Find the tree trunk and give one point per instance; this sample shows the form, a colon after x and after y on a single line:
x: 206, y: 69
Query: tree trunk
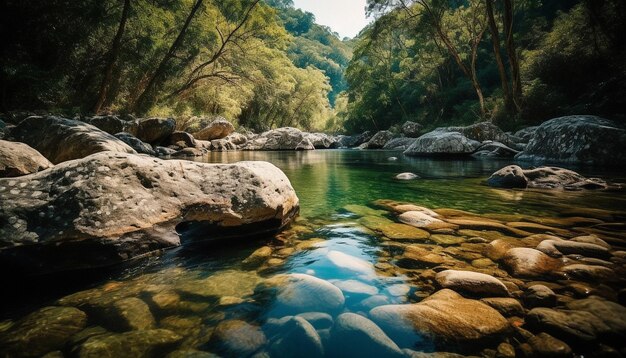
x: 142, y: 104
x: 516, y: 82
x: 495, y: 40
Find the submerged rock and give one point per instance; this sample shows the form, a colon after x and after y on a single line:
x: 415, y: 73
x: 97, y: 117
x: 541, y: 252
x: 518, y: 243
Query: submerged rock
x: 356, y: 336
x: 297, y: 338
x: 407, y: 176
x: 529, y: 263
x: 60, y: 139
x: 42, y: 331
x: 110, y: 207
x: 581, y: 139
x: 17, y: 159
x: 146, y: 343
x: 471, y: 283
x: 443, y: 318
x: 237, y: 338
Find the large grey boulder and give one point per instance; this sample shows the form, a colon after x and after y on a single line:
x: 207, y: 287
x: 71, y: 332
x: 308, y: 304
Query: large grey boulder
x: 135, y: 143
x: 355, y: 140
x: 356, y: 336
x: 399, y: 143
x: 155, y: 130
x: 60, y: 139
x: 286, y: 138
x: 411, y: 129
x: 19, y: 159
x: 217, y: 129
x: 110, y: 207
x: 579, y: 139
x: 513, y: 176
x: 322, y: 140
x: 442, y: 143
x: 109, y: 124
x: 379, y: 140
x: 483, y: 131
x: 490, y: 149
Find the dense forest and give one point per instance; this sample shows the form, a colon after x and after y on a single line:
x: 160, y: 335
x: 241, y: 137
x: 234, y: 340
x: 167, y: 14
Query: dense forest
x: 266, y: 64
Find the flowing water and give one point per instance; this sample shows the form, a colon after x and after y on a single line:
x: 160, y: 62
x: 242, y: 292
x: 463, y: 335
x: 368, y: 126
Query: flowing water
x: 190, y: 290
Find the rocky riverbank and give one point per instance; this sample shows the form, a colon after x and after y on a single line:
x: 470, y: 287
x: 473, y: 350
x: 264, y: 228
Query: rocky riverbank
x: 445, y: 280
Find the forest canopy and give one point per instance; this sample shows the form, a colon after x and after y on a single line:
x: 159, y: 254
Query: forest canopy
x: 265, y: 64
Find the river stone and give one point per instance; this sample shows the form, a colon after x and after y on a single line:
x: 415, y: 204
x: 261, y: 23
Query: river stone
x: 444, y: 318
x: 569, y: 325
x: 352, y: 287
x: 399, y: 143
x: 42, y: 331
x: 190, y: 353
x: 591, y: 273
x: 356, y: 336
x: 17, y: 159
x: 472, y: 283
x: 60, y: 139
x: 236, y: 138
x: 258, y: 257
x: 145, y: 343
x: 418, y: 219
x: 299, y: 293
x: 222, y: 145
x: 237, y: 338
x: 529, y: 263
x: 321, y: 140
x: 286, y: 138
x: 492, y: 149
x: 446, y: 240
x: 184, y: 137
x: 130, y: 314
x: 110, y: 207
x: 558, y: 248
x: 481, y: 132
x: 350, y: 263
x: 544, y: 345
x: 442, y: 143
x: 417, y: 257
x: 319, y: 320
x: 297, y: 338
x: 155, y: 130
x: 109, y: 124
x: 411, y: 129
x: 234, y: 283
x: 511, y: 176
x: 611, y: 313
x: 407, y: 176
x: 137, y: 144
x: 506, y: 306
x: 217, y: 129
x: 580, y: 139
x: 539, y: 296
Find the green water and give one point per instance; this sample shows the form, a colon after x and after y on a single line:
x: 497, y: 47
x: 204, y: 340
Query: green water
x: 329, y: 184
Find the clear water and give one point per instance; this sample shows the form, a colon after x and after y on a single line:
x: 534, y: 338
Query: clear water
x: 326, y: 182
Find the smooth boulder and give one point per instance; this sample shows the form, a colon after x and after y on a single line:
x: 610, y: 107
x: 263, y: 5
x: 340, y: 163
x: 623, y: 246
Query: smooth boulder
x: 135, y: 143
x: 60, y: 139
x: 17, y: 159
x: 379, y: 140
x: 356, y: 336
x: 442, y: 143
x: 513, y: 176
x: 155, y: 130
x: 110, y: 207
x: 286, y: 138
x: 471, y: 283
x: 216, y: 129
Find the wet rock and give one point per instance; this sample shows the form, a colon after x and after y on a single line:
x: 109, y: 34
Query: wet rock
x: 399, y: 143
x: 543, y: 178
x: 544, y: 345
x: 578, y: 326
x: 397, y: 231
x: 42, y: 331
x: 445, y: 240
x: 539, y: 296
x: 417, y: 257
x: 187, y: 139
x: 356, y: 336
x: 481, y: 132
x: 136, y: 143
x: 300, y: 293
x: 525, y: 134
x: 322, y: 140
x: 17, y: 159
x: 355, y: 140
x: 130, y: 314
x: 373, y: 301
x: 188, y: 152
x: 155, y: 130
x: 163, y: 151
x: 418, y: 219
x: 354, y: 287
x: 237, y: 338
x: 216, y: 129
x: 581, y: 139
x: 258, y: 257
x: 411, y: 129
x: 110, y: 207
x: 494, y: 150
x: 558, y: 248
x: 59, y: 139
x: 280, y: 139
x: 222, y: 145
x: 511, y: 176
x: 588, y: 272
x: 610, y: 313
x: 146, y: 343
x: 407, y: 176
x: 236, y: 138
x: 471, y: 283
x: 230, y: 282
x: 379, y: 140
x: 190, y: 353
x: 442, y: 143
x: 443, y: 318
x: 507, y: 307
x: 109, y: 124
x: 350, y: 263
x: 505, y: 350
x: 529, y: 263
x: 297, y: 338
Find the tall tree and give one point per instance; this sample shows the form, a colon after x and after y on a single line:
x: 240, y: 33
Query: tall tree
x: 516, y: 80
x: 495, y: 40
x: 111, y: 59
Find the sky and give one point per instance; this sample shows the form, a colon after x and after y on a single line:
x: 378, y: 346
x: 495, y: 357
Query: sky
x: 347, y: 17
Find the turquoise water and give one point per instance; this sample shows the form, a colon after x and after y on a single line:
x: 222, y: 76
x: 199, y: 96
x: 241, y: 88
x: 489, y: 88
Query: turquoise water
x: 336, y: 188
